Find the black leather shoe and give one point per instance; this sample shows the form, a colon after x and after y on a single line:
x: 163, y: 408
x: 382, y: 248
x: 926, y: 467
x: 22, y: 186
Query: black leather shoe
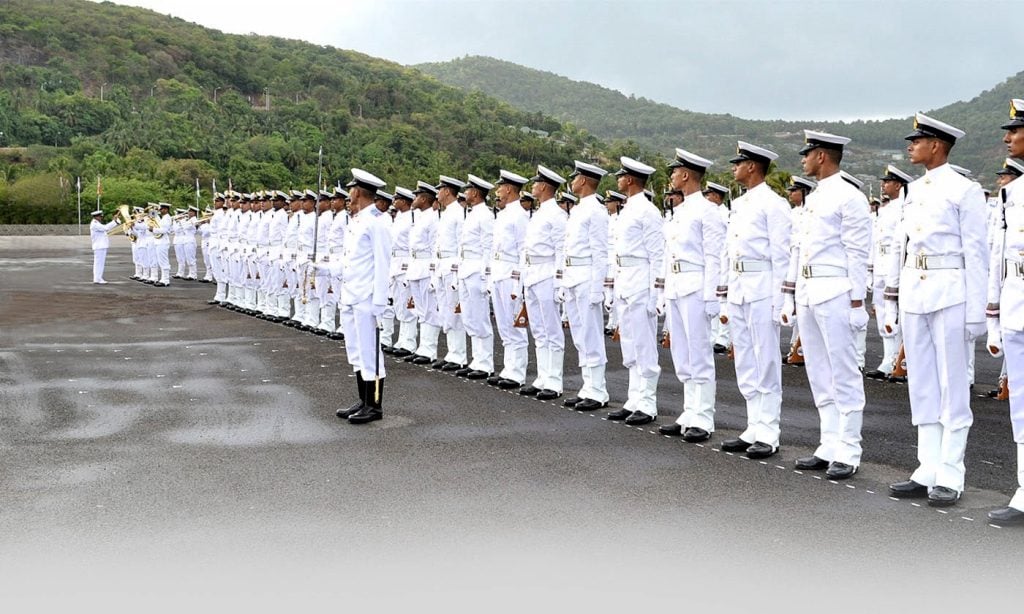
x: 348, y: 412
x: 1006, y: 516
x: 908, y: 489
x: 840, y: 471
x: 493, y: 380
x: 400, y: 352
x: 571, y: 401
x: 876, y: 374
x: 695, y: 434
x: 941, y: 496
x: 548, y: 395
x: 720, y: 349
x: 336, y: 336
x: 639, y: 418
x: 319, y: 332
x: 734, y: 445
x: 673, y: 429
x: 437, y: 364
x: 212, y: 302
x: 619, y: 414
x: 387, y: 349
x: 589, y: 405
x: 477, y: 374
x: 451, y: 366
x: 897, y: 380
x: 811, y: 463
x: 463, y: 372
x: 367, y: 414
x: 993, y: 394
x: 508, y: 384
x: 759, y: 450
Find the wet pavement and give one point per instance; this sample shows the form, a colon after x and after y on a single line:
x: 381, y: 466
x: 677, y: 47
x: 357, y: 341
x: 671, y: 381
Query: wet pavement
x: 158, y: 451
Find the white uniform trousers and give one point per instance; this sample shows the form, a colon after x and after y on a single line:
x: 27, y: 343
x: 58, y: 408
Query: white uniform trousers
x: 136, y: 259
x: 830, y: 350
x: 406, y: 318
x: 188, y: 252
x: 219, y: 274
x: 755, y: 339
x: 425, y: 308
x: 1013, y: 348
x: 207, y: 266
x: 939, y: 394
x: 447, y: 294
x: 586, y: 323
x: 548, y: 335
x: 476, y: 317
x: 179, y: 259
x: 693, y: 358
x: 890, y: 345
x: 361, y: 340
x: 99, y: 261
x: 638, y: 338
x: 515, y: 341
x: 163, y: 261
x: 150, y: 262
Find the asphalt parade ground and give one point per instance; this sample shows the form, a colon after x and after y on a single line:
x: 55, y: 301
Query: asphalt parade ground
x: 159, y: 452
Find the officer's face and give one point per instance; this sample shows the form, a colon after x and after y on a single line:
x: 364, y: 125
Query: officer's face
x: 922, y: 150
x: 1002, y: 180
x: 714, y: 197
x: 811, y: 162
x: 796, y: 197
x: 538, y: 190
x: 677, y: 178
x: 891, y: 188
x: 741, y: 171
x: 1014, y: 139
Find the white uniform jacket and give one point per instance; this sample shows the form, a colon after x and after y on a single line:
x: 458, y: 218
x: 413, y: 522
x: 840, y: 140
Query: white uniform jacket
x: 693, y: 248
x: 758, y: 236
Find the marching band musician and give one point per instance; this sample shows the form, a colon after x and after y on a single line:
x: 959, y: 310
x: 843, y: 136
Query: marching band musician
x: 504, y: 282
x: 100, y: 243
x: 145, y: 241
x: 133, y: 237
x: 693, y: 240
x: 935, y: 279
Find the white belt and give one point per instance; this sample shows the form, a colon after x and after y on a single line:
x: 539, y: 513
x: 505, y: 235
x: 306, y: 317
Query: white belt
x: 935, y: 262
x: 577, y: 260
x: 442, y: 253
x: 500, y: 257
x: 337, y: 250
x: 627, y: 261
x: 470, y: 255
x: 751, y: 266
x: 539, y: 259
x: 821, y: 270
x: 422, y: 255
x: 682, y: 266
x: 399, y: 252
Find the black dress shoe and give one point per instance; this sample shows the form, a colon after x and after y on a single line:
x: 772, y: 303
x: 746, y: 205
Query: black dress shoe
x: 571, y: 401
x: 463, y: 372
x: 290, y: 323
x: 401, y: 352
x: 734, y: 445
x: 619, y: 414
x: 639, y: 418
x: 387, y: 349
x: 319, y: 332
x: 993, y: 394
x: 811, y: 463
x: 908, y: 489
x: 720, y: 349
x: 493, y: 380
x: 589, y: 405
x: 893, y: 379
x: 367, y: 414
x: 529, y: 391
x: 759, y: 450
x: 547, y: 395
x: 675, y: 429
x: 942, y: 496
x: 1006, y: 516
x: 348, y: 412
x: 477, y: 374
x: 418, y: 360
x: 840, y: 471
x: 437, y: 364
x: 336, y: 336
x: 876, y: 374
x: 695, y: 434
x: 508, y: 384
x: 212, y: 302
x: 451, y: 366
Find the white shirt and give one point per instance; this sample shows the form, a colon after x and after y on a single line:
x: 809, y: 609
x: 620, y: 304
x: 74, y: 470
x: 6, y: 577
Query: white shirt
x: 1006, y: 287
x: 98, y: 234
x: 165, y: 223
x: 422, y: 238
x: 545, y: 240
x: 509, y: 237
x: 586, y: 237
x: 693, y: 236
x: 475, y: 241
x: 400, y: 242
x: 759, y: 231
x: 367, y: 260
x: 638, y: 235
x: 446, y: 243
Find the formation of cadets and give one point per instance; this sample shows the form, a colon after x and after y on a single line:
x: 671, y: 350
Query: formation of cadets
x: 943, y: 267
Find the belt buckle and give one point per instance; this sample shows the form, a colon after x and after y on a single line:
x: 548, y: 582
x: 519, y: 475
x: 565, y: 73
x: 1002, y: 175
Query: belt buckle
x: 737, y: 267
x: 1019, y: 268
x: 618, y: 260
x: 805, y: 271
x: 922, y: 262
x: 676, y: 268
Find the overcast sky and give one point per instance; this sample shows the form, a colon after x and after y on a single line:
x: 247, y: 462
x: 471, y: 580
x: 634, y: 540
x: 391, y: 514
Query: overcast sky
x: 759, y: 59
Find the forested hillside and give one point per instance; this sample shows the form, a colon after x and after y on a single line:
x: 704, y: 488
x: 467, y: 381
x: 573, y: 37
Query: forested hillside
x: 152, y: 102
x: 609, y: 114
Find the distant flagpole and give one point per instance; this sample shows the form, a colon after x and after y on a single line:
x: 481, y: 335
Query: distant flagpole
x: 197, y: 194
x: 78, y: 187
x: 213, y: 195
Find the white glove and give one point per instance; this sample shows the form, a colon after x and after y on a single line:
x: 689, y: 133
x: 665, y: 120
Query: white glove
x: 659, y: 305
x: 891, y: 328
x: 609, y: 299
x: 561, y: 295
x: 776, y: 313
x: 858, y: 319
x: 787, y: 317
x: 596, y: 298
x: 995, y: 337
x: 378, y: 310
x: 974, y: 330
x: 652, y: 303
x: 712, y: 309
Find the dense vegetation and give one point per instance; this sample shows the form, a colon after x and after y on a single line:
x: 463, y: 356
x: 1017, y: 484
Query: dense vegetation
x: 611, y: 115
x: 151, y: 103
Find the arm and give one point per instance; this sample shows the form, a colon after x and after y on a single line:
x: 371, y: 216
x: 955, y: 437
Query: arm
x: 599, y: 250
x: 855, y: 235
x: 972, y: 236
x: 779, y: 229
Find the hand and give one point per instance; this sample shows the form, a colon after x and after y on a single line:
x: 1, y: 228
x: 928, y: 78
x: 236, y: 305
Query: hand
x: 652, y: 303
x: 560, y: 295
x: 995, y: 337
x: 596, y: 298
x: 722, y: 317
x: 858, y: 319
x: 787, y: 317
x: 378, y: 310
x: 659, y: 305
x: 891, y: 328
x: 609, y: 299
x: 974, y: 330
x: 776, y: 313
x: 712, y: 309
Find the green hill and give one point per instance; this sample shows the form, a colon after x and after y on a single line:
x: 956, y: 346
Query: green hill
x: 152, y: 103
x: 610, y: 115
